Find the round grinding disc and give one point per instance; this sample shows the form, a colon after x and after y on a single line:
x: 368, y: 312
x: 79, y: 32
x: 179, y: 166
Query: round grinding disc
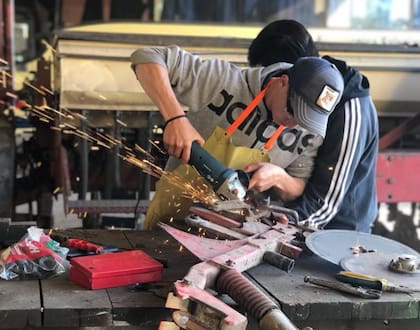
x: 376, y: 264
x: 335, y: 244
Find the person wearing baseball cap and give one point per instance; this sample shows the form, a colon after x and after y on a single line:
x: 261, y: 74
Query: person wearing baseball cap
x: 315, y: 88
x: 267, y: 120
x: 341, y: 191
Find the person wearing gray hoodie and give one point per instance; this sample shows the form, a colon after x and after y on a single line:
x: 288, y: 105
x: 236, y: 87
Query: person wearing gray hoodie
x: 300, y: 97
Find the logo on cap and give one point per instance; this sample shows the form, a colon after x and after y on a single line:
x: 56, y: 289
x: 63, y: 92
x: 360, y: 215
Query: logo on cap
x: 328, y: 98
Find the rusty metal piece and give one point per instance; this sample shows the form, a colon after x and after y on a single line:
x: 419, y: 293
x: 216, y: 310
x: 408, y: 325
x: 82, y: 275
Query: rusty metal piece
x: 229, y: 205
x: 226, y: 224
x: 215, y: 217
x: 250, y: 210
x: 280, y: 261
x: 220, y: 231
x: 277, y: 209
x: 205, y: 311
x: 405, y: 264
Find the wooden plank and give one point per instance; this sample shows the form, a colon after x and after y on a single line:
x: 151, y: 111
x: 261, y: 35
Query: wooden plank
x: 20, y: 304
x: 158, y: 244
x: 305, y: 302
x: 142, y: 318
x: 99, y: 236
x: 67, y: 304
x: 146, y: 309
x: 141, y: 308
x: 142, y: 305
x: 131, y: 305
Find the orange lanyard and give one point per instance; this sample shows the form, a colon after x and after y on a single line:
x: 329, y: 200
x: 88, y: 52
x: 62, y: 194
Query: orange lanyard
x: 244, y: 114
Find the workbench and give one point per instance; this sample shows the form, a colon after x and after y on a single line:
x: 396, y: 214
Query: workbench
x: 59, y: 303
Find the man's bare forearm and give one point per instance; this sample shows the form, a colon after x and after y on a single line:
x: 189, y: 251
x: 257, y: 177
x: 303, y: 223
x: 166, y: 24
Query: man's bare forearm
x: 155, y: 82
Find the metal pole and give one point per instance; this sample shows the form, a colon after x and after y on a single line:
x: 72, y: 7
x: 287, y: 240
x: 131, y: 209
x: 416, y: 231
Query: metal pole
x: 84, y: 161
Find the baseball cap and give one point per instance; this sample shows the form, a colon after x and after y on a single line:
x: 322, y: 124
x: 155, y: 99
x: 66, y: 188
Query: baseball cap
x: 315, y: 88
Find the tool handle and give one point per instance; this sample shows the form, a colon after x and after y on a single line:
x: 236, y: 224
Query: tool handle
x: 362, y: 280
x: 81, y: 244
x: 209, y: 167
x: 226, y: 182
x: 335, y: 285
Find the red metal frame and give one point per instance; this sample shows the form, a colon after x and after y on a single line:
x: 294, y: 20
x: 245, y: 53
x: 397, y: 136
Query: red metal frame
x: 397, y: 177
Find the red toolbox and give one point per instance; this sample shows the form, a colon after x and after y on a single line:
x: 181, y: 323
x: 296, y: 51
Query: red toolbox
x: 115, y: 269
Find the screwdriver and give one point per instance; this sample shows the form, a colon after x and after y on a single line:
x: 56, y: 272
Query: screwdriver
x: 371, y: 282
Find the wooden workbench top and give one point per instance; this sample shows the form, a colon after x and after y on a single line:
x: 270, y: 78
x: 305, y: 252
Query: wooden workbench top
x: 60, y: 303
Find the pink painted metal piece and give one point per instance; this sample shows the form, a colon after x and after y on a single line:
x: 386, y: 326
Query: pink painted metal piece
x: 222, y: 256
x: 215, y: 217
x: 251, y: 254
x: 213, y: 228
x: 203, y: 248
x: 232, y: 320
x: 239, y: 254
x: 283, y: 234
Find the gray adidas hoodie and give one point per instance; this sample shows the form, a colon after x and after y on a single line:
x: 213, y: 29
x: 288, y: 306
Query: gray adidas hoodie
x: 216, y: 91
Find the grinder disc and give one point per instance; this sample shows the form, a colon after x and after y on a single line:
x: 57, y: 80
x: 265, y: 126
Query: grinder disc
x: 336, y: 244
x: 376, y: 264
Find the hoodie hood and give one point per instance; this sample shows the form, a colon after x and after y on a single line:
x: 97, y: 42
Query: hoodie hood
x: 355, y: 83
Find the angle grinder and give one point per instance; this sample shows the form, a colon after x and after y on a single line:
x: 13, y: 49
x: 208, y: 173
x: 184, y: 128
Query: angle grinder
x: 227, y: 183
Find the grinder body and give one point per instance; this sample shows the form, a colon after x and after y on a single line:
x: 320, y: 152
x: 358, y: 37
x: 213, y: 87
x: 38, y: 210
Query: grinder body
x: 226, y: 182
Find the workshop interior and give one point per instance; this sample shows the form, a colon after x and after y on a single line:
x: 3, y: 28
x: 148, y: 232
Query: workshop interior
x: 78, y: 131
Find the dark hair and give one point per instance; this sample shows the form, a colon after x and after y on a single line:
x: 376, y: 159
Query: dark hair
x: 281, y: 41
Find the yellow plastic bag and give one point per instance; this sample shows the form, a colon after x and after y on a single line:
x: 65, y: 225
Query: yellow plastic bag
x: 173, y: 194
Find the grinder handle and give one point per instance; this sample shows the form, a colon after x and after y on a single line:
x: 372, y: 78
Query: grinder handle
x: 208, y: 166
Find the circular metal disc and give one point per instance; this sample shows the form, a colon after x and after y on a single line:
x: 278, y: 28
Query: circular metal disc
x: 335, y: 244
x: 376, y: 264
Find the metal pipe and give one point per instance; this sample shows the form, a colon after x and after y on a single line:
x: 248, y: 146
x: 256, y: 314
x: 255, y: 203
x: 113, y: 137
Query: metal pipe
x: 84, y: 161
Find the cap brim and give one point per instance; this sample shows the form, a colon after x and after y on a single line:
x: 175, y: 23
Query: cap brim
x: 308, y: 117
